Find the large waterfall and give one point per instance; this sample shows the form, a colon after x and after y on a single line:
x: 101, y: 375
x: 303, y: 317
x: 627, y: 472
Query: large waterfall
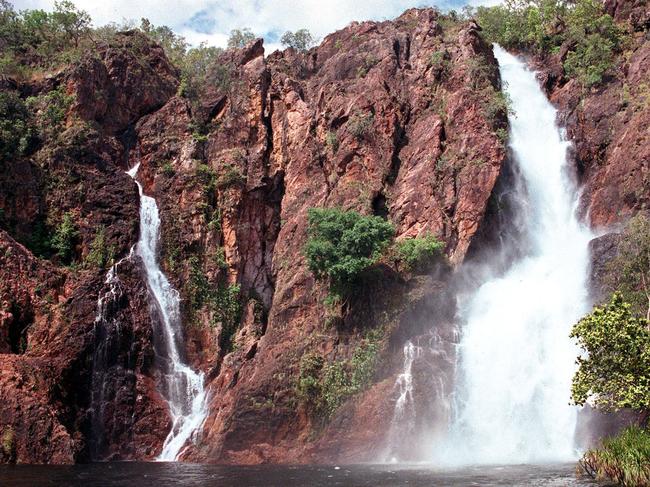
x: 182, y: 387
x: 515, y: 356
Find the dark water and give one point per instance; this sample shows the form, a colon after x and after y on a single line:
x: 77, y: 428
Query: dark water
x: 164, y: 474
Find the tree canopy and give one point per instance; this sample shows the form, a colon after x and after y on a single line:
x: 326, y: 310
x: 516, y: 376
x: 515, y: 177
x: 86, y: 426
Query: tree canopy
x: 342, y: 244
x: 614, y: 371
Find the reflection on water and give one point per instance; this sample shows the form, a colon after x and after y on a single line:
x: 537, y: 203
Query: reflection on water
x: 172, y: 474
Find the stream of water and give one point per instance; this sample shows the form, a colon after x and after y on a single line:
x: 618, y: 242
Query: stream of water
x: 182, y: 387
x: 516, y: 359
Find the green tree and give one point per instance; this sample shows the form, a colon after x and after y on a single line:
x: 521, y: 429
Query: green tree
x: 342, y: 244
x: 240, y: 37
x: 71, y: 22
x: 629, y: 271
x: 301, y: 39
x: 175, y: 46
x: 614, y: 372
x: 15, y: 127
x: 65, y: 237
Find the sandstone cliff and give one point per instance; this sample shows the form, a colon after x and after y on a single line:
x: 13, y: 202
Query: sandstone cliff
x: 399, y: 119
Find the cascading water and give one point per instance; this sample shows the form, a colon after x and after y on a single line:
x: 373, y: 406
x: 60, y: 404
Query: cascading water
x: 516, y: 359
x: 182, y: 387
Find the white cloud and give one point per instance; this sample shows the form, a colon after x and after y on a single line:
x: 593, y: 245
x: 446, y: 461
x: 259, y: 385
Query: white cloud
x: 212, y: 20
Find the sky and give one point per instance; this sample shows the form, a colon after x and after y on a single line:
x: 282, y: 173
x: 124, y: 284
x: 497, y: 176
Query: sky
x: 212, y: 20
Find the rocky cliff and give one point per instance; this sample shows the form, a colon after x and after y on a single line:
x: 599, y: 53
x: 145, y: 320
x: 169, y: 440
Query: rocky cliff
x: 400, y: 119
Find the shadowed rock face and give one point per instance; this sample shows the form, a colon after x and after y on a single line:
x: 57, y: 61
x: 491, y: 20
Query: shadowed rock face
x: 394, y: 119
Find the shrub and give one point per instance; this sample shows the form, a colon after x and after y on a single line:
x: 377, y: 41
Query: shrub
x: 15, y: 127
x: 624, y: 459
x: 300, y: 40
x: 332, y: 141
x: 100, y: 255
x: 342, y: 244
x: 614, y: 373
x: 64, y: 238
x: 51, y: 111
x: 309, y: 388
x: 225, y: 306
x: 418, y: 252
x: 168, y: 169
x: 325, y: 386
x: 360, y: 125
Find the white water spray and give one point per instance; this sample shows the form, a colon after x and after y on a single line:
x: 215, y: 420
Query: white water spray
x: 516, y: 358
x: 183, y: 387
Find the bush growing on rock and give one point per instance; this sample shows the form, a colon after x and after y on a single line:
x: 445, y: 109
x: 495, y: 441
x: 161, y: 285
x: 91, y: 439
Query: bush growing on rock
x: 342, y: 244
x: 300, y: 39
x: 15, y: 128
x: 614, y: 373
x: 419, y: 251
x: 64, y: 238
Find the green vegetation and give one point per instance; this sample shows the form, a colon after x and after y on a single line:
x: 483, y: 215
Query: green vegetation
x: 65, y: 238
x: 168, y: 169
x: 323, y: 387
x: 50, y: 111
x: 615, y: 371
x: 544, y: 25
x: 221, y: 301
x: 332, y: 141
x: 418, y: 252
x: 15, y: 127
x: 40, y: 39
x: 240, y: 37
x: 100, y: 254
x: 225, y: 308
x: 301, y: 39
x: 8, y: 441
x: 623, y: 459
x: 360, y: 125
x: 342, y: 244
x: 629, y: 271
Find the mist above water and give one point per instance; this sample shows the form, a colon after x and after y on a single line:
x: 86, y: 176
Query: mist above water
x: 516, y: 359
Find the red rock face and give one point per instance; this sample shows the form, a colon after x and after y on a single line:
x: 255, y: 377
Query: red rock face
x: 366, y: 121
x: 394, y: 118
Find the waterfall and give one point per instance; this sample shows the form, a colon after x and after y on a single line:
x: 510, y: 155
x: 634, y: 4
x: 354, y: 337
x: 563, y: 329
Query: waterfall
x: 516, y: 359
x: 182, y: 387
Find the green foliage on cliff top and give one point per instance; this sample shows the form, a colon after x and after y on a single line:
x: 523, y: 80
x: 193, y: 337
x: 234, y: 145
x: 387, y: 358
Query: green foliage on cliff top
x: 301, y: 39
x: 590, y: 35
x: 614, y: 372
x: 342, y: 244
x: 624, y: 459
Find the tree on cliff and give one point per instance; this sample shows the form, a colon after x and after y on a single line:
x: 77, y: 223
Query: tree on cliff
x: 342, y: 244
x: 300, y: 39
x: 614, y: 372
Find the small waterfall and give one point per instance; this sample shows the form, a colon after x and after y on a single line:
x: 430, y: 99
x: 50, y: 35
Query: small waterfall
x: 182, y: 387
x: 404, y: 414
x: 107, y: 368
x: 515, y: 356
